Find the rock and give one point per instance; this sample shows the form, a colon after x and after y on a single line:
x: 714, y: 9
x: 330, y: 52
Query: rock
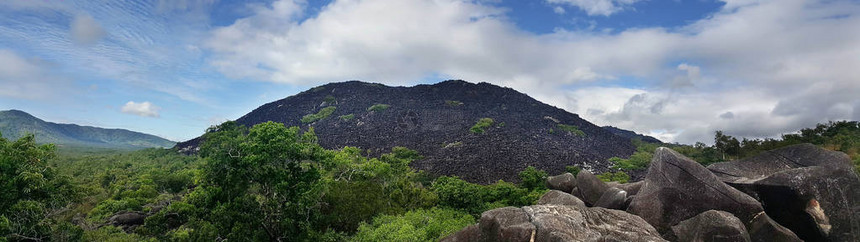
x: 786, y: 158
x: 557, y: 223
x: 631, y: 188
x: 570, y: 223
x: 817, y: 203
x: 127, y: 219
x: 613, y: 198
x: 559, y: 198
x: 678, y: 188
x: 590, y: 187
x: 810, y: 190
x: 712, y: 225
x: 468, y: 234
x: 764, y: 229
x: 505, y: 224
x: 565, y: 182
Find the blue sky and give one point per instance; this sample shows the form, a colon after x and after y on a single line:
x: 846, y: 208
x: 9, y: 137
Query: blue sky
x: 677, y: 70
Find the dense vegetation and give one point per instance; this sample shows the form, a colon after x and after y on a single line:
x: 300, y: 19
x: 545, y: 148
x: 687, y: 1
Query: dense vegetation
x: 267, y: 182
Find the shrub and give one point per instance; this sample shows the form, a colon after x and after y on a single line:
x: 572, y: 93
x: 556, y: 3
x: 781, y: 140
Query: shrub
x: 453, y: 103
x: 532, y: 178
x: 620, y: 177
x: 638, y: 160
x: 482, y: 124
x: 573, y: 170
x: 573, y: 129
x: 347, y: 117
x: 378, y: 107
x: 417, y: 225
x: 323, y: 113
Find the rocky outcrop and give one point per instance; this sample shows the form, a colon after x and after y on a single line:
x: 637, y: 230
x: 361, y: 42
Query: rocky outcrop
x: 127, y: 219
x: 678, y: 188
x: 631, y: 188
x: 812, y: 191
x: 564, y: 182
x: 557, y: 197
x: 558, y: 223
x: 612, y: 198
x: 712, y: 225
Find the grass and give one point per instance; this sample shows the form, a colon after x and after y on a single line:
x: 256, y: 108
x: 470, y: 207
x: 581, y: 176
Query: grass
x: 322, y: 114
x: 481, y: 125
x: 347, y: 117
x: 571, y: 129
x: 378, y: 107
x: 453, y: 103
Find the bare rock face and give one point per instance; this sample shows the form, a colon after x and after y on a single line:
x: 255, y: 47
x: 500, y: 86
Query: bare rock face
x: 557, y: 197
x: 678, y: 188
x: 590, y: 187
x: 762, y: 228
x: 127, y: 219
x: 631, y: 188
x: 612, y: 198
x: 558, y: 223
x: 812, y: 191
x: 565, y: 182
x: 712, y: 225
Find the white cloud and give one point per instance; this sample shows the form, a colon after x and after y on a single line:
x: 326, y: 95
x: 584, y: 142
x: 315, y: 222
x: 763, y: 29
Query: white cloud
x: 29, y: 78
x: 777, y: 66
x: 85, y: 29
x: 558, y: 10
x: 596, y: 7
x: 144, y: 109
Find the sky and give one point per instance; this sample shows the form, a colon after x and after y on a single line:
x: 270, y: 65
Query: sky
x: 674, y: 69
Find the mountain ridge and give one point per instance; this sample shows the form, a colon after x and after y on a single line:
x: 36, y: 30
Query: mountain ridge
x: 436, y: 120
x: 16, y: 123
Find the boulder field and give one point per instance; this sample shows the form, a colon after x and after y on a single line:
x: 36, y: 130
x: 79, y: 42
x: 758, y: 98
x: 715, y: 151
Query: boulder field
x: 795, y: 193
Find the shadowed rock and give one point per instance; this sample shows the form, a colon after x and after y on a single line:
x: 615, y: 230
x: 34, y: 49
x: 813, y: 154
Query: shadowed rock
x: 812, y: 191
x: 590, y: 187
x: 712, y: 225
x: 127, y: 219
x: 631, y: 188
x: 565, y: 182
x: 762, y: 228
x: 557, y: 197
x: 613, y: 198
x: 468, y: 234
x: 678, y: 188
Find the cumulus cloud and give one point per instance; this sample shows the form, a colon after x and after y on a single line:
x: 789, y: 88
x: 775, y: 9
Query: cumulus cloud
x: 778, y: 66
x: 143, y: 109
x: 85, y: 30
x: 596, y: 7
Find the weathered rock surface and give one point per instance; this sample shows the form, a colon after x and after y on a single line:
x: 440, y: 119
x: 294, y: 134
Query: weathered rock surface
x: 812, y: 191
x: 631, y: 188
x: 612, y: 198
x: 565, y: 182
x: 771, y: 162
x: 470, y: 233
x: 558, y: 223
x: 127, y: 219
x: 712, y: 225
x: 678, y: 188
x: 764, y: 229
x: 590, y: 187
x: 557, y: 197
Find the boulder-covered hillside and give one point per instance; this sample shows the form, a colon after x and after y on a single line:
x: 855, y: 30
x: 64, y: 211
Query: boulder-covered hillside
x: 443, y: 122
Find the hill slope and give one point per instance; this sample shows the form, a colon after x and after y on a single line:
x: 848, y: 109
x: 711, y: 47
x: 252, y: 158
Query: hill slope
x: 15, y: 123
x: 436, y: 121
x: 632, y: 135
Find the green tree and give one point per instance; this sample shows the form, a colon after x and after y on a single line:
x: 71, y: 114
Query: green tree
x: 417, y: 225
x: 532, y: 178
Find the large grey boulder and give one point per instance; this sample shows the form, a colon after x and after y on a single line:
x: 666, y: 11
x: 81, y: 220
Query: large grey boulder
x: 127, y: 219
x: 557, y: 197
x: 812, y: 191
x: 612, y: 198
x: 678, y: 188
x: 762, y: 228
x: 712, y: 225
x: 590, y: 187
x: 557, y: 223
x: 565, y: 182
x: 770, y: 162
x: 631, y: 188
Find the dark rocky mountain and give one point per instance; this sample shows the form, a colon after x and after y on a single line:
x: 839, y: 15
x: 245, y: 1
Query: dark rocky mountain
x: 632, y: 135
x: 436, y: 120
x: 15, y: 124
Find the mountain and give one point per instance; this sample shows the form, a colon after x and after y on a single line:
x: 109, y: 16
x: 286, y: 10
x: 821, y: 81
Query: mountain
x: 437, y: 121
x: 15, y: 124
x: 632, y: 135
